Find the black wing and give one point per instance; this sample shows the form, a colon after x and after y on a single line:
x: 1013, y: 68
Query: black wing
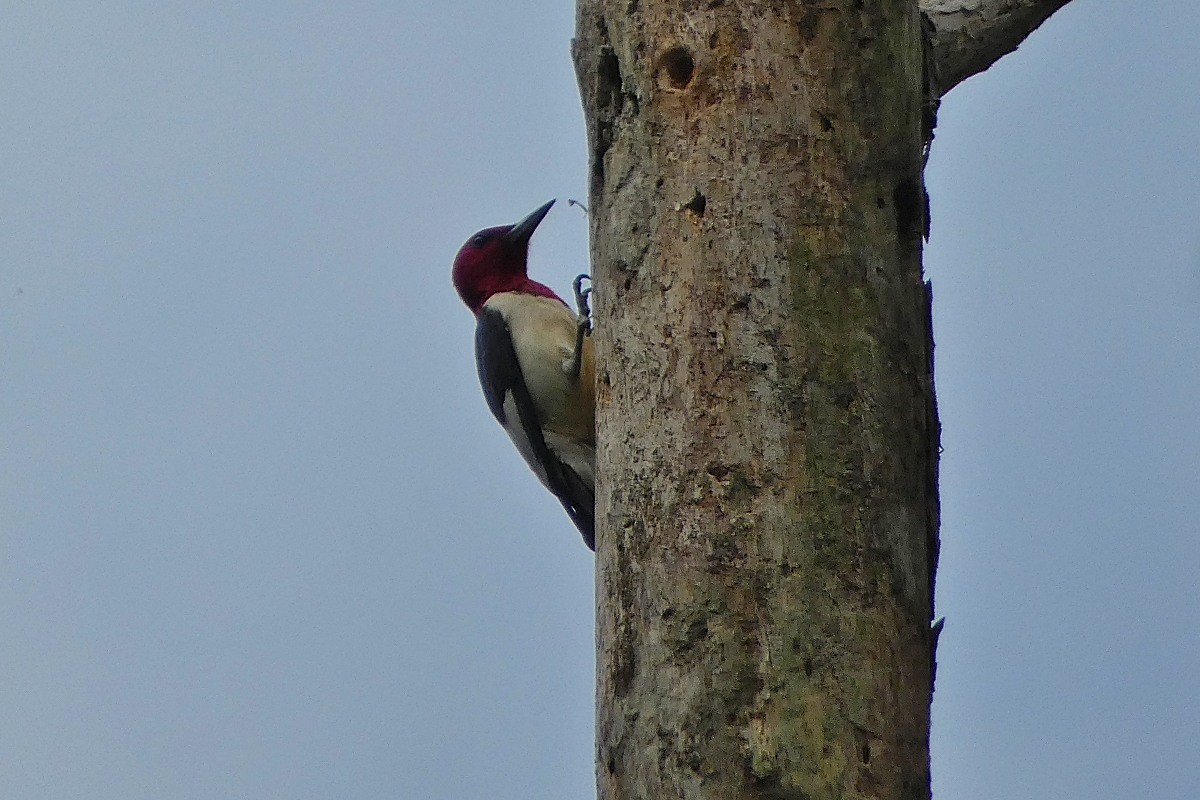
x: 501, y: 378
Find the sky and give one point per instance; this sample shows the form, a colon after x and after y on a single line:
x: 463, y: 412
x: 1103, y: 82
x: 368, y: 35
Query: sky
x: 260, y: 536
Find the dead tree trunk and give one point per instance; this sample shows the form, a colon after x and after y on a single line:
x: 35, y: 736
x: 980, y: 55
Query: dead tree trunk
x: 767, y: 504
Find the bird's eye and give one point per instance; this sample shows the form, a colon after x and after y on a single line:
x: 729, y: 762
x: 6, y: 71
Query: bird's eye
x: 479, y: 240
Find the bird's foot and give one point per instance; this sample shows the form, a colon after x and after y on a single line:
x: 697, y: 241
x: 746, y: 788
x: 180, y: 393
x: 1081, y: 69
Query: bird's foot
x: 582, y: 305
x: 583, y: 327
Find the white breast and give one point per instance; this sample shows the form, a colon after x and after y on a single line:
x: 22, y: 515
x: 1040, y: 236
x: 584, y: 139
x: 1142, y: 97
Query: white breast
x: 543, y: 334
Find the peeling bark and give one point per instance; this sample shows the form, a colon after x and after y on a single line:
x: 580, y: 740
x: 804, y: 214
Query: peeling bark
x: 971, y: 35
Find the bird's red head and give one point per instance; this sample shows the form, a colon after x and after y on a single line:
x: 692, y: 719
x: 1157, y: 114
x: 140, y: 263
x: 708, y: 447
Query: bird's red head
x: 494, y: 260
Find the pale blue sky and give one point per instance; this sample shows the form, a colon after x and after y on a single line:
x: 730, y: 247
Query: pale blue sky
x: 260, y: 537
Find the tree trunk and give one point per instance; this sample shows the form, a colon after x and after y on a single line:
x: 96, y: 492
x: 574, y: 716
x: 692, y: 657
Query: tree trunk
x: 767, y: 437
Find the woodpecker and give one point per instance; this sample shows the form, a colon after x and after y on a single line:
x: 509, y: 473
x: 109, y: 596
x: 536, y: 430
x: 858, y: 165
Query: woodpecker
x: 535, y: 363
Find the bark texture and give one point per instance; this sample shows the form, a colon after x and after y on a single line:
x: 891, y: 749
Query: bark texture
x: 969, y: 36
x: 768, y: 440
x: 767, y: 435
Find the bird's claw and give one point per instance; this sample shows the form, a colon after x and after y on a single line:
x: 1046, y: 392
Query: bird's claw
x: 582, y: 304
x: 583, y: 328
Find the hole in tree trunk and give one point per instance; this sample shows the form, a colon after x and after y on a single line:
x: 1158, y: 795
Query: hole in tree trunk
x: 675, y: 68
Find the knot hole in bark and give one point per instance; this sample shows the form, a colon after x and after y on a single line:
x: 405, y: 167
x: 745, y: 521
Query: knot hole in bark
x: 696, y: 205
x: 912, y: 210
x: 676, y: 68
x: 609, y: 99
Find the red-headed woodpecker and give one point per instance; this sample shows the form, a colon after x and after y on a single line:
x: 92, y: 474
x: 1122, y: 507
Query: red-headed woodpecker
x: 535, y: 364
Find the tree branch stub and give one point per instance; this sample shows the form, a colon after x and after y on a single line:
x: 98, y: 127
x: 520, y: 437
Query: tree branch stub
x: 971, y: 35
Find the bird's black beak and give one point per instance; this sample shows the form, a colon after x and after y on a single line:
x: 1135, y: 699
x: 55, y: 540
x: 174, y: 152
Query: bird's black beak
x: 523, y: 230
